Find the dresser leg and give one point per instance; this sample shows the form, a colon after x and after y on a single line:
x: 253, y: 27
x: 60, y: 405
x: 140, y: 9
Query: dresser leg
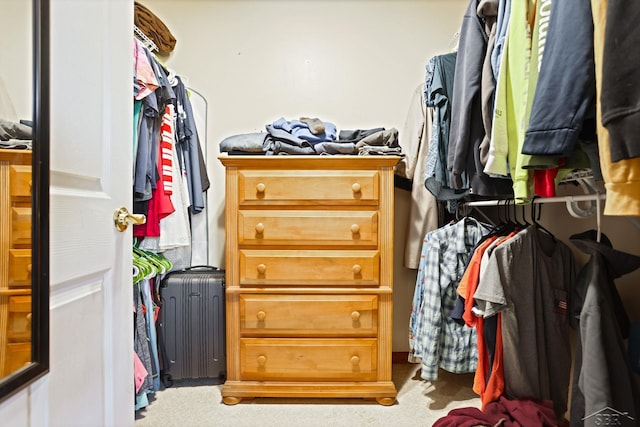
x: 230, y: 400
x: 386, y: 401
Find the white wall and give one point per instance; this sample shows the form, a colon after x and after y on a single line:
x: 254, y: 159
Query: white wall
x: 354, y: 63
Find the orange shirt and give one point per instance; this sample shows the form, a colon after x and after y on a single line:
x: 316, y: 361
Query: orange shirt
x: 492, y: 388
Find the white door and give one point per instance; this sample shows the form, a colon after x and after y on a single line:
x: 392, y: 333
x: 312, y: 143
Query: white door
x: 91, y: 376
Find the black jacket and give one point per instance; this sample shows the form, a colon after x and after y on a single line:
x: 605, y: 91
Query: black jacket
x: 603, y: 378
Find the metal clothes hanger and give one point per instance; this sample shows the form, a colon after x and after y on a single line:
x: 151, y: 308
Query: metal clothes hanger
x: 535, y: 218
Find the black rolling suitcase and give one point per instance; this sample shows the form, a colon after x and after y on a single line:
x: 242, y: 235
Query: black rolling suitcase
x: 192, y: 324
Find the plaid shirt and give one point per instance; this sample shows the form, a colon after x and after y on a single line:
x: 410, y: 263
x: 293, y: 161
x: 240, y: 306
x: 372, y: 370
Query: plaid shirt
x: 434, y: 337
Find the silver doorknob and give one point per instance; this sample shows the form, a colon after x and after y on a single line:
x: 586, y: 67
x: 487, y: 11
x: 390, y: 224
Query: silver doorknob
x: 122, y: 218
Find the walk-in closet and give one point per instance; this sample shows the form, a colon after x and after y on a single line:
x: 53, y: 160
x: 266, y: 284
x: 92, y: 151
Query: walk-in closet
x: 425, y: 212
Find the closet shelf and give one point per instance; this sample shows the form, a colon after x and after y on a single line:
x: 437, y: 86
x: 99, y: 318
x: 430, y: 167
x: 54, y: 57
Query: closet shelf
x: 578, y: 174
x: 146, y: 41
x: 558, y: 199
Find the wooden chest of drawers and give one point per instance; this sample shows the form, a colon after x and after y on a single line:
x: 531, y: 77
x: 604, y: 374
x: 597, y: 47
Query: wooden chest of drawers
x: 309, y: 264
x: 15, y: 260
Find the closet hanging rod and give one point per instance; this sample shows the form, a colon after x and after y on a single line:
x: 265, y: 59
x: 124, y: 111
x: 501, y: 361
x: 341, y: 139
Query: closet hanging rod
x: 559, y: 199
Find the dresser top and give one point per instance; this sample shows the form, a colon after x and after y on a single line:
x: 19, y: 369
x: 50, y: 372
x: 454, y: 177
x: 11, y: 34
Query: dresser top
x: 15, y: 156
x: 309, y: 162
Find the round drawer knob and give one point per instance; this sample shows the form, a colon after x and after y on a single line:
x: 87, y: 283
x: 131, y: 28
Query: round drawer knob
x: 355, y: 316
x: 261, y: 315
x: 355, y: 188
x: 355, y: 228
x: 356, y: 269
x: 28, y: 317
x: 29, y: 267
x: 355, y: 360
x: 262, y: 359
x: 261, y: 268
x: 260, y: 188
x: 259, y: 228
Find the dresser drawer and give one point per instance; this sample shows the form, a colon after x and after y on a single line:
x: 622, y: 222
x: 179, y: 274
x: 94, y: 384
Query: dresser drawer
x: 309, y: 268
x: 19, y: 328
x: 308, y: 315
x: 308, y: 227
x: 321, y: 186
x: 306, y: 359
x: 20, y: 177
x: 19, y: 266
x: 21, y: 226
x: 18, y: 355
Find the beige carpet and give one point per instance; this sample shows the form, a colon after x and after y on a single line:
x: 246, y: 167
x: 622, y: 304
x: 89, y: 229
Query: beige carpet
x: 419, y: 404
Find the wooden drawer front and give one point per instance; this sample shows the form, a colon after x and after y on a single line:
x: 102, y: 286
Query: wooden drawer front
x: 20, y: 177
x: 18, y: 355
x: 19, y: 328
x: 322, y: 186
x: 308, y: 315
x: 19, y: 266
x: 284, y: 227
x: 309, y: 268
x: 308, y: 359
x: 21, y: 226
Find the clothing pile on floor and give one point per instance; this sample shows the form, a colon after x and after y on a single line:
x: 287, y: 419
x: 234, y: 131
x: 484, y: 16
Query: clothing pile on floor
x: 504, y: 413
x: 311, y: 136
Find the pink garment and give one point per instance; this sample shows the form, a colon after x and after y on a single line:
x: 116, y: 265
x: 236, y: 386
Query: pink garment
x: 139, y: 371
x: 145, y: 77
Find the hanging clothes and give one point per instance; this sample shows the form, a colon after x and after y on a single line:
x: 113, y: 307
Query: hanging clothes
x: 528, y: 279
x: 566, y: 73
x: 488, y: 11
x: 438, y: 90
x: 140, y: 338
x: 144, y: 81
x: 622, y: 177
x: 174, y: 229
x: 188, y: 152
x: 512, y: 100
x: 620, y: 98
x: 602, y: 377
x: 489, y: 378
x: 423, y: 209
x: 467, y: 127
x: 435, y: 338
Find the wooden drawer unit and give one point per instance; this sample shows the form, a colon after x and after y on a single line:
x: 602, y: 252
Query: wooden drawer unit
x: 15, y: 259
x: 309, y: 286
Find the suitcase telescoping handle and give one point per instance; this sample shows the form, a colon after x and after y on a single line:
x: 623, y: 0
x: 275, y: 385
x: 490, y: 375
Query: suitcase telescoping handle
x: 201, y: 267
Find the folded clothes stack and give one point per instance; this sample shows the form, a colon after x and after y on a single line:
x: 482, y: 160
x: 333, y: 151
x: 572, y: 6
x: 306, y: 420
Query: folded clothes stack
x: 311, y: 136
